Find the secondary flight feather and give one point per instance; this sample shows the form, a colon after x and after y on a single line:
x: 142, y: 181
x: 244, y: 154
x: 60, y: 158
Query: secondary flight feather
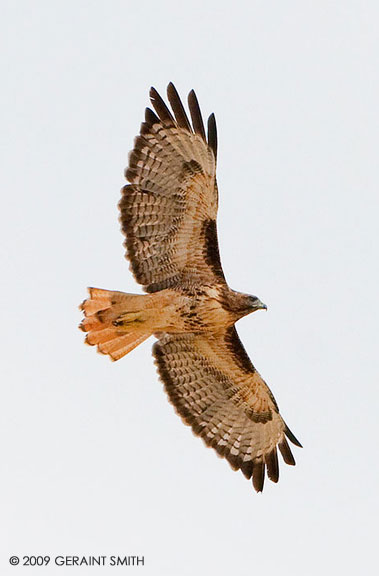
x: 168, y: 215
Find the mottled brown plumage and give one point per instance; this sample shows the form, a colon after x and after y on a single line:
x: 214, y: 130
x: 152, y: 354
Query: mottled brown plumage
x: 168, y: 215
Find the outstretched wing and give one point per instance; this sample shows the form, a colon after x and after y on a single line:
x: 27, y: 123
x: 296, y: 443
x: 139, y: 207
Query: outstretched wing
x: 168, y: 213
x: 217, y: 391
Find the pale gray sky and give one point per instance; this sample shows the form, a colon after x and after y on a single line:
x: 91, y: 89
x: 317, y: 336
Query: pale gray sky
x: 94, y: 459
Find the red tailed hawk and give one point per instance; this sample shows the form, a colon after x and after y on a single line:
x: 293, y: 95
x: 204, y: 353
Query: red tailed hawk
x: 168, y: 215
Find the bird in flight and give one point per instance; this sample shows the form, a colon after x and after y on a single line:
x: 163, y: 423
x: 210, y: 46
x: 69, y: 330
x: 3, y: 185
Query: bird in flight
x: 168, y: 215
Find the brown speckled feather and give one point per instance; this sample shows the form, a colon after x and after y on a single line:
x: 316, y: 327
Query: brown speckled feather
x: 168, y: 214
x: 217, y: 391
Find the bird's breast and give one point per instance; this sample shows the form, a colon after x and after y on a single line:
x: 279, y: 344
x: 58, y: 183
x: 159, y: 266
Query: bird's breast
x: 205, y: 312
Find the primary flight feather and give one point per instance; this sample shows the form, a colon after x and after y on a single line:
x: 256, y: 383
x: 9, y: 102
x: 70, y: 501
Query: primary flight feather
x: 168, y: 215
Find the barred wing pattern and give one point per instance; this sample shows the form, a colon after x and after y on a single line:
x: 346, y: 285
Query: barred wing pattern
x: 168, y: 213
x: 217, y: 391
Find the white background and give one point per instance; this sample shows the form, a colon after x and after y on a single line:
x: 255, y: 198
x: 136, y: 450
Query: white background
x: 94, y: 460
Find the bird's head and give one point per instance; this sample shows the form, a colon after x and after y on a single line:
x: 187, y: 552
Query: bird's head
x: 244, y: 304
x: 253, y: 304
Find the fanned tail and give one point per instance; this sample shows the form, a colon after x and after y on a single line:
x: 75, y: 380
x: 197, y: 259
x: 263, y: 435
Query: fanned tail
x: 114, y: 322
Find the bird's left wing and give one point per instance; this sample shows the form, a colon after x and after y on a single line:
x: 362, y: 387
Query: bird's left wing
x: 168, y: 212
x: 214, y: 387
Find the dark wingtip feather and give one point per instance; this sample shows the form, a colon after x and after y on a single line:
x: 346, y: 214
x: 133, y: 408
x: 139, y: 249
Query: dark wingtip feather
x: 286, y: 453
x: 272, y: 464
x: 197, y: 119
x: 178, y: 108
x: 234, y: 461
x: 247, y: 469
x: 161, y: 108
x: 291, y: 437
x: 258, y: 474
x: 150, y: 117
x: 212, y: 134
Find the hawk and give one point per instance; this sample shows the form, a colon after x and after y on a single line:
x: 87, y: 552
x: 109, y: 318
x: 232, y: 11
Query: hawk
x: 168, y: 215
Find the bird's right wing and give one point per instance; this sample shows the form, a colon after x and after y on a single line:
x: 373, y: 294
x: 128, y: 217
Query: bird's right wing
x: 168, y: 213
x: 217, y: 391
